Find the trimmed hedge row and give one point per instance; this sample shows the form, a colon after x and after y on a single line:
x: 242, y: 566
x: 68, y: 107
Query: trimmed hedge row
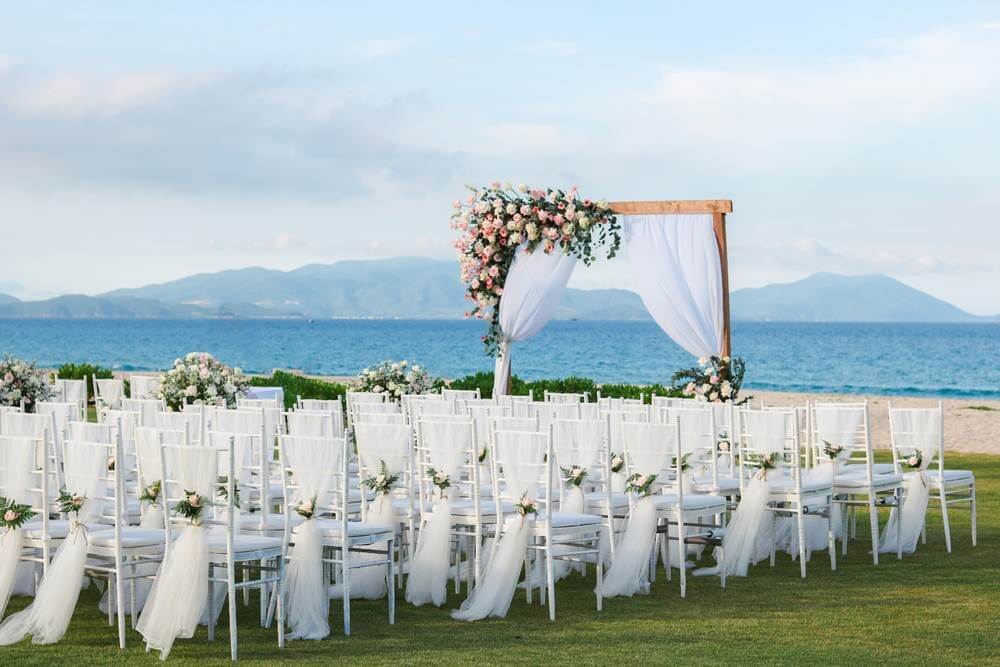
x: 296, y: 385
x: 577, y: 385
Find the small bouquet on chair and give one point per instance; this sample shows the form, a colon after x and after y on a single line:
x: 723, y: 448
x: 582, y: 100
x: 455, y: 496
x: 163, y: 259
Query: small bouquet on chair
x: 641, y: 485
x: 440, y: 479
x: 526, y: 506
x: 913, y: 461
x: 382, y: 482
x: 307, y: 508
x: 832, y: 451
x: 70, y: 503
x: 223, y: 491
x: 574, y: 475
x: 151, y: 493
x: 13, y: 515
x: 191, y: 507
x: 762, y: 462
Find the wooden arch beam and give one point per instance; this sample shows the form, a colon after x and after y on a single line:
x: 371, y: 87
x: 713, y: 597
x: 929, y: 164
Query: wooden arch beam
x: 718, y: 208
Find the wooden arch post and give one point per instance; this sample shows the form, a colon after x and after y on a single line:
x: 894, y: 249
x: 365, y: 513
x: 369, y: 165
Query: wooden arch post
x: 718, y: 208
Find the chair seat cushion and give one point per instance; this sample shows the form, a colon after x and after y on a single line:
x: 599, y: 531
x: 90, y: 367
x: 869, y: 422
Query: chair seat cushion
x: 704, y: 483
x: 859, y: 479
x: 332, y: 528
x: 465, y: 507
x: 58, y: 528
x: 132, y: 537
x: 692, y: 501
x: 353, y: 495
x: 241, y: 543
x: 598, y: 500
x: 787, y: 485
x: 271, y: 522
x: 569, y: 519
x: 950, y: 476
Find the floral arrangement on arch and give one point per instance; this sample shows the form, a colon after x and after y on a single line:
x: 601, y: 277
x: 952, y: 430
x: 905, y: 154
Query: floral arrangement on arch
x: 714, y: 379
x: 395, y: 378
x: 495, y: 221
x: 201, y: 379
x: 23, y: 381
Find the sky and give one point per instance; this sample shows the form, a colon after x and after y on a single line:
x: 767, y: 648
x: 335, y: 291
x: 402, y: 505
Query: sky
x: 142, y: 142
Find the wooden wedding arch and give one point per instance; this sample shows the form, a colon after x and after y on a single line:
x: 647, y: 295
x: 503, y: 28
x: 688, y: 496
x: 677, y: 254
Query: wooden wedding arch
x: 718, y: 208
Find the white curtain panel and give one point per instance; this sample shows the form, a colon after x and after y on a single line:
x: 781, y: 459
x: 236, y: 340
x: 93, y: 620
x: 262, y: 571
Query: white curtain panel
x: 534, y: 287
x: 675, y: 263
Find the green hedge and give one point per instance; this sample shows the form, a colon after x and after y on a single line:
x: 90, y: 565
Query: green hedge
x: 79, y: 371
x: 484, y: 382
x: 296, y: 385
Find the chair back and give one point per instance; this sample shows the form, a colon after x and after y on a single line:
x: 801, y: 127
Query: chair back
x: 918, y: 431
x: 109, y: 392
x: 144, y: 386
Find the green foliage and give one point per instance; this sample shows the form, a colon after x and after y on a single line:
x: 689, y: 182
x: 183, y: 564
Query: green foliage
x: 484, y: 382
x: 80, y: 371
x: 296, y: 385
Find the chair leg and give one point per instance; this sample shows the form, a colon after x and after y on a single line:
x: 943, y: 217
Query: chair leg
x: 600, y: 583
x: 390, y: 589
x: 899, y: 523
x: 682, y: 553
x: 774, y: 521
x: 831, y: 541
x: 973, y: 508
x: 667, y: 561
x: 211, y: 602
x: 944, y: 518
x: 800, y: 520
x: 279, y: 600
x: 844, y: 511
x: 120, y: 600
x: 550, y: 581
x: 231, y: 601
x: 346, y: 583
x: 873, y: 520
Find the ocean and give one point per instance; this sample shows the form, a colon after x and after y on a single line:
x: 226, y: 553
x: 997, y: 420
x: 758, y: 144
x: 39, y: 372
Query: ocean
x: 947, y: 360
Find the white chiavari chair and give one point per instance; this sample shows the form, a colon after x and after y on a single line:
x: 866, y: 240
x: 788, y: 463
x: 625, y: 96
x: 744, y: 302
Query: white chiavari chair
x: 565, y: 397
x: 334, y: 407
x: 188, y: 422
x: 461, y: 394
x: 73, y: 391
x: 108, y: 392
x: 144, y: 386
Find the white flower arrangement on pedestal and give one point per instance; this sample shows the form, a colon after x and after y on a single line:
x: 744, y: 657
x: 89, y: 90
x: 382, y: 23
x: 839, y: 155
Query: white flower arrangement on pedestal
x: 395, y: 378
x: 200, y: 379
x: 22, y: 381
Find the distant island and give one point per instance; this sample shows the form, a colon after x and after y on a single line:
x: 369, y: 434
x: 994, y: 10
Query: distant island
x: 419, y: 288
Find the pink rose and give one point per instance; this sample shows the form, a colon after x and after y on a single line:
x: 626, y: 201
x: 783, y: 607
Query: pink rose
x: 10, y: 515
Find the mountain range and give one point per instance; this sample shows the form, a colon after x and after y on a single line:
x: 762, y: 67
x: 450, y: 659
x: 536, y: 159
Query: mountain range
x: 417, y: 288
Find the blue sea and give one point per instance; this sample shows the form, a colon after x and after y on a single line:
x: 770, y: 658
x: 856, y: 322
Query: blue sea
x: 957, y: 360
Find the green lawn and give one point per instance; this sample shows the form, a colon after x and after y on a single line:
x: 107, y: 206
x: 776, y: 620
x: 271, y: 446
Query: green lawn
x: 931, y: 608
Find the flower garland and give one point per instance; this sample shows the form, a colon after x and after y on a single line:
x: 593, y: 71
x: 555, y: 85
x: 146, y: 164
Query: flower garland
x: 23, y: 381
x: 715, y: 379
x: 200, y: 379
x: 395, y: 378
x: 495, y: 221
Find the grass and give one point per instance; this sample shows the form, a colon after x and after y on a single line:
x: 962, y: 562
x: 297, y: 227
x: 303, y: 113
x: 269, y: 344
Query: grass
x: 982, y: 408
x: 931, y: 608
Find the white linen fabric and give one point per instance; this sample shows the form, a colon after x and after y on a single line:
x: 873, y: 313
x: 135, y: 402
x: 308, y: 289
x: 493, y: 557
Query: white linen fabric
x: 913, y: 431
x: 180, y: 593
x: 310, y: 425
x: 16, y: 459
x: 678, y: 274
x: 447, y: 444
x: 313, y: 463
x: 518, y: 455
x: 647, y: 449
x: 748, y: 535
x: 535, y: 284
x: 47, y: 618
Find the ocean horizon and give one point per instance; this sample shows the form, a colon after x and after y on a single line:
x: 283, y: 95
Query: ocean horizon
x: 904, y: 359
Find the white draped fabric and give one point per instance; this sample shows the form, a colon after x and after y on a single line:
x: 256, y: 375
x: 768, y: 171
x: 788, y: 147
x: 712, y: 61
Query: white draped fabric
x: 913, y: 431
x: 519, y: 455
x: 837, y: 425
x: 748, y: 535
x: 144, y: 386
x: 378, y: 445
x: 447, y: 445
x: 535, y: 284
x: 180, y: 593
x: 16, y: 464
x: 313, y: 463
x: 576, y: 443
x: 678, y: 274
x: 648, y: 448
x: 47, y: 618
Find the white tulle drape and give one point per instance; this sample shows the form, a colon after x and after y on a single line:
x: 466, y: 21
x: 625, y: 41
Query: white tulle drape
x: 678, y: 274
x: 378, y: 445
x: 535, y: 284
x: 16, y: 464
x: 749, y: 535
x: 518, y: 456
x: 447, y: 444
x: 180, y: 593
x: 913, y: 431
x: 648, y: 451
x: 47, y: 618
x: 313, y: 463
x: 576, y: 444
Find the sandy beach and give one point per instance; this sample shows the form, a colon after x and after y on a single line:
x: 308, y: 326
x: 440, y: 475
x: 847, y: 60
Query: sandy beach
x: 970, y: 424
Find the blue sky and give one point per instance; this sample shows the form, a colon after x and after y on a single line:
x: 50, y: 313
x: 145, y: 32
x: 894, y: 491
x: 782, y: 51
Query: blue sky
x: 141, y: 142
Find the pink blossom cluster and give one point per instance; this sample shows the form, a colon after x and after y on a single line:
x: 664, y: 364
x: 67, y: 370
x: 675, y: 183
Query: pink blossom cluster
x: 493, y: 222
